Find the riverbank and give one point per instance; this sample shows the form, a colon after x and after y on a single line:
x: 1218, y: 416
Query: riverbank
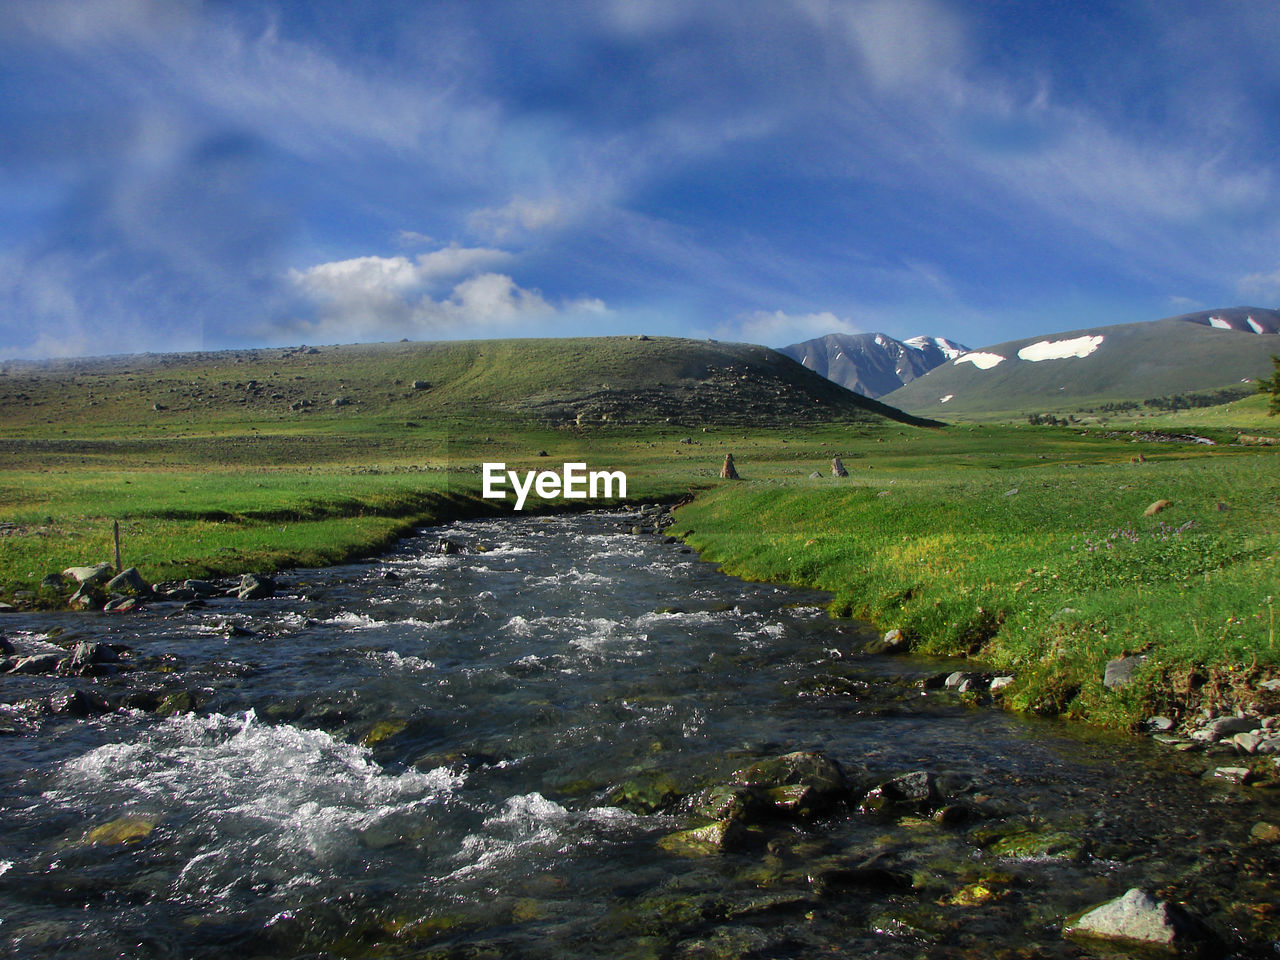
x: 1029, y: 549
x: 1048, y: 573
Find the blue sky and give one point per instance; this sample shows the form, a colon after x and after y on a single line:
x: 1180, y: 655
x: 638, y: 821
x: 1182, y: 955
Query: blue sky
x: 180, y: 175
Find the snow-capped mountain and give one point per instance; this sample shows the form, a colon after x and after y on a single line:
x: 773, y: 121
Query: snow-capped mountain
x: 873, y: 364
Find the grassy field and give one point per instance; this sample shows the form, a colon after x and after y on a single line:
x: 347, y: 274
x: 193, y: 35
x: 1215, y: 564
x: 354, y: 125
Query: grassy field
x: 1045, y: 569
x: 1025, y: 546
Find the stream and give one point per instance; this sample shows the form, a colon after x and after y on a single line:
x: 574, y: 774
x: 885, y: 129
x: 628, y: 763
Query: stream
x: 496, y: 753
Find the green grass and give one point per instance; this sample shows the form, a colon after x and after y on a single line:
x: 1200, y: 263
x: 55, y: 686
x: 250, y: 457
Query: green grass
x: 974, y: 539
x: 1047, y: 571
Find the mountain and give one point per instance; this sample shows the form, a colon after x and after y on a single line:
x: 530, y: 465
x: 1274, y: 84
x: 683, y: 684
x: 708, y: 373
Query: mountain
x: 1244, y: 319
x: 561, y: 382
x: 1084, y: 369
x: 872, y: 364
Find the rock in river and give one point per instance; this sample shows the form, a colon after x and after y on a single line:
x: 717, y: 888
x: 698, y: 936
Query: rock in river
x: 255, y: 586
x: 1139, y: 917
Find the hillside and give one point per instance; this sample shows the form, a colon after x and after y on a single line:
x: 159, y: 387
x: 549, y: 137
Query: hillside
x: 873, y: 364
x: 1244, y: 319
x: 580, y: 381
x: 1086, y: 369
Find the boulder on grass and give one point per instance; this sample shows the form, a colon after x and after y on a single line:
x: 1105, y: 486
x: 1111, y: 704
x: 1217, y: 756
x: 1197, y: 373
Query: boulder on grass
x: 97, y: 573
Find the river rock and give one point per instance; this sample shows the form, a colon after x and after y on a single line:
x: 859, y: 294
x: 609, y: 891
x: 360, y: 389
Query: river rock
x: 54, y: 581
x: 819, y: 773
x: 648, y: 792
x: 39, y: 663
x: 1120, y: 671
x: 79, y: 703
x: 447, y: 548
x: 706, y: 840
x: 1264, y: 832
x: 1224, y: 727
x: 1139, y: 917
x: 98, y: 573
x: 1247, y: 742
x: 88, y: 658
x: 122, y: 605
x: 255, y: 586
x: 894, y: 641
x: 917, y: 790
x: 131, y: 583
x: 999, y: 683
x: 729, y: 802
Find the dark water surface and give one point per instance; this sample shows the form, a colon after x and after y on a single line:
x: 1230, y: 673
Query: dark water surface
x: 426, y: 764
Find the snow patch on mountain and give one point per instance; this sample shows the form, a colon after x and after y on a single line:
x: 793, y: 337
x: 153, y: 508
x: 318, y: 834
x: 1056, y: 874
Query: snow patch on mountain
x: 1060, y: 349
x: 983, y: 361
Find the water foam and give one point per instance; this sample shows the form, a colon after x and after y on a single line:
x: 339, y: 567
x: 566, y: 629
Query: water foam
x: 259, y: 805
x: 532, y: 829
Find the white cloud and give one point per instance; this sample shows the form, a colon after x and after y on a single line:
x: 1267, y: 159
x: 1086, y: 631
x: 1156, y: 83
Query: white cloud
x: 387, y: 279
x: 521, y: 216
x: 903, y: 43
x: 389, y: 297
x: 778, y: 329
x: 1264, y: 286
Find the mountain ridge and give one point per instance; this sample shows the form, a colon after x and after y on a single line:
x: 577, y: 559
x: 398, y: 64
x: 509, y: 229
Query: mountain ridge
x: 872, y: 364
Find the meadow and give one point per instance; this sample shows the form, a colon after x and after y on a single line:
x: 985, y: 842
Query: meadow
x: 1024, y: 547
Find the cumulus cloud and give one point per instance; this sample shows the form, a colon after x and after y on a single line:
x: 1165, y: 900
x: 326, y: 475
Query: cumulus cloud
x: 387, y: 297
x: 777, y: 328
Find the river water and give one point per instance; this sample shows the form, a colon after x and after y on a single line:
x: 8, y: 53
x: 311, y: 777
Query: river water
x: 425, y: 755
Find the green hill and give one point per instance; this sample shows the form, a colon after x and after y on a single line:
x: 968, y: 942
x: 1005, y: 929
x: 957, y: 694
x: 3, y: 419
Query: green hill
x: 1087, y: 369
x: 582, y: 382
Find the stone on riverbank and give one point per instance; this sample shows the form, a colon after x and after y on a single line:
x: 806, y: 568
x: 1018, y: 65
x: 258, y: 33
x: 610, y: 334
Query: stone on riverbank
x: 130, y: 583
x: 1223, y: 728
x: 97, y: 573
x: 1138, y: 917
x: 1121, y: 670
x: 893, y: 642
